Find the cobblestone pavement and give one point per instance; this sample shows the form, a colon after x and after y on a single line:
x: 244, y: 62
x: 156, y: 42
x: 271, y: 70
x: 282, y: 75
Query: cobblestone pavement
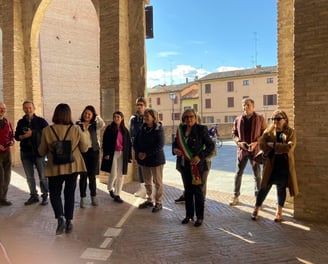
x: 122, y: 233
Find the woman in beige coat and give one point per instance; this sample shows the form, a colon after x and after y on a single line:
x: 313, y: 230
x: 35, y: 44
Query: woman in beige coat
x: 64, y: 173
x: 278, y: 144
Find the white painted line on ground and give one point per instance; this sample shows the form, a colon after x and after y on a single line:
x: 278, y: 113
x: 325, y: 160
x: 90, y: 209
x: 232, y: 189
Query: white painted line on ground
x: 106, y: 242
x: 112, y: 232
x: 96, y: 254
x: 128, y: 213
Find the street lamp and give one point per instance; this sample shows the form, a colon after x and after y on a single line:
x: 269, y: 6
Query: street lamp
x: 172, y: 97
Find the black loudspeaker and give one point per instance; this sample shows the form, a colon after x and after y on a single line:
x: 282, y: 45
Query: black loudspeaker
x: 149, y: 22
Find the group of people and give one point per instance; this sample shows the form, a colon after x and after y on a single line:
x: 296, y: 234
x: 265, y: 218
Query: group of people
x: 277, y: 144
x: 193, y: 146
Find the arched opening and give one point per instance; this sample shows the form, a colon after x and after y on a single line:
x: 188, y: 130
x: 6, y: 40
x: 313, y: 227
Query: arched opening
x: 69, y: 56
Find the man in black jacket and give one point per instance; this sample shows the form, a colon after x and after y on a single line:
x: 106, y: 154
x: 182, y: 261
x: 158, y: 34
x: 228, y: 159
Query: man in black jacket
x: 28, y: 132
x: 135, y: 124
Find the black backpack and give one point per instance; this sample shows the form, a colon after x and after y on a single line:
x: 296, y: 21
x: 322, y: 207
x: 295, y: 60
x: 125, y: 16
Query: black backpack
x: 63, y: 153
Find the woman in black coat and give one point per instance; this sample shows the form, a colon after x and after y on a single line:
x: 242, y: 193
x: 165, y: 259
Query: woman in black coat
x: 149, y: 148
x: 192, y: 145
x: 116, y: 154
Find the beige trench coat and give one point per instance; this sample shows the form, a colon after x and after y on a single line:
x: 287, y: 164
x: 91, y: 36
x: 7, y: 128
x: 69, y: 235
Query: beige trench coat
x: 79, y: 145
x: 288, y: 148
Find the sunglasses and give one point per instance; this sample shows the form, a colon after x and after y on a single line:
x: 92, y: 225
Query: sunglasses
x: 276, y: 119
x: 191, y: 116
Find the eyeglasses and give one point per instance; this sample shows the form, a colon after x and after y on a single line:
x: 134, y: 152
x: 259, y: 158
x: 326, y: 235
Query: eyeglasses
x: 191, y: 116
x: 277, y: 119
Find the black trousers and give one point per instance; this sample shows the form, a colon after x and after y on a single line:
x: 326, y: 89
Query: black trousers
x: 194, y: 196
x: 55, y: 191
x: 91, y: 160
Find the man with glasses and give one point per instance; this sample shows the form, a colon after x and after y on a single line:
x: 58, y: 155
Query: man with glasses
x: 28, y: 132
x: 246, y: 132
x: 135, y: 124
x: 6, y: 140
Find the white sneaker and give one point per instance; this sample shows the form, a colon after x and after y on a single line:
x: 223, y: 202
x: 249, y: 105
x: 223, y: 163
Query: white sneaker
x: 83, y: 202
x: 234, y: 201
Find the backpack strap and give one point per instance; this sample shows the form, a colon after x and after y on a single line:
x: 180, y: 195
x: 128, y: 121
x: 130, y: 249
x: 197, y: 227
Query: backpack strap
x: 53, y: 130
x: 67, y: 131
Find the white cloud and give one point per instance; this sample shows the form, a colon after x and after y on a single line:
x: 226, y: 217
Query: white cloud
x: 228, y: 68
x: 165, y: 54
x: 178, y: 75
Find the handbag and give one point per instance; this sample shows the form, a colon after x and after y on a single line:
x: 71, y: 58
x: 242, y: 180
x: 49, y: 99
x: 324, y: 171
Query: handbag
x: 259, y: 157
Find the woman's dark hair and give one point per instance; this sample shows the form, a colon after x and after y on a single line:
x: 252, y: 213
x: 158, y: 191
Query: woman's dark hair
x: 94, y: 113
x: 62, y: 115
x: 122, y: 125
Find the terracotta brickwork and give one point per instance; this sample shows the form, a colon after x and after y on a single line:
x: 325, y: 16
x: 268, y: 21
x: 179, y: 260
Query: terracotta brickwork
x: 113, y: 53
x: 303, y: 61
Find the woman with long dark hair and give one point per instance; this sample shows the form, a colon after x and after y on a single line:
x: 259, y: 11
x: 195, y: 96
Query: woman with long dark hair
x: 278, y: 144
x: 116, y: 155
x: 63, y: 174
x: 90, y: 124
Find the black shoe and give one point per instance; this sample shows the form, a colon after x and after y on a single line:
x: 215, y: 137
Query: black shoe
x: 181, y: 199
x: 186, y: 220
x: 44, y: 199
x: 254, y: 216
x: 198, y: 222
x: 157, y: 207
x: 5, y: 202
x: 111, y: 194
x: 69, y: 227
x: 118, y: 199
x: 146, y: 204
x: 33, y: 199
x: 60, y: 226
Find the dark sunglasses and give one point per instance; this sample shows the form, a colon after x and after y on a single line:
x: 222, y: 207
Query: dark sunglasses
x: 276, y: 119
x: 191, y: 116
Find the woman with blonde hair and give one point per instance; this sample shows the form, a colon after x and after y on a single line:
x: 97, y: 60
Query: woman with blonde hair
x: 278, y: 144
x: 192, y: 146
x: 149, y: 148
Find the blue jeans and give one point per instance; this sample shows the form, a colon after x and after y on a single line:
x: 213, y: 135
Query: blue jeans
x: 29, y: 160
x: 241, y: 165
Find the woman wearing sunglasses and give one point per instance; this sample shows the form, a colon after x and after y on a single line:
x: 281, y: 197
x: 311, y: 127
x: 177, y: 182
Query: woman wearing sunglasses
x: 278, y: 144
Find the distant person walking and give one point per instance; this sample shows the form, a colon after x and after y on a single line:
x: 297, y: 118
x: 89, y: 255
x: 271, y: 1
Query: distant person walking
x: 135, y: 124
x: 278, y: 144
x: 6, y: 141
x: 246, y: 132
x: 90, y: 124
x: 63, y: 174
x: 116, y: 155
x: 28, y: 132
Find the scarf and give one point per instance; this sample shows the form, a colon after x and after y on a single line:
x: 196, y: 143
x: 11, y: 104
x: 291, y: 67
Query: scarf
x: 183, y: 146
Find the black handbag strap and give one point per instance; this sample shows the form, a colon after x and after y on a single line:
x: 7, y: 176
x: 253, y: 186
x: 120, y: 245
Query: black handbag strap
x: 53, y: 130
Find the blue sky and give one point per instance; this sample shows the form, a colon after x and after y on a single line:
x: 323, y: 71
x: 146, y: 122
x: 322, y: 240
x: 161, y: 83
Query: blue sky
x: 195, y: 38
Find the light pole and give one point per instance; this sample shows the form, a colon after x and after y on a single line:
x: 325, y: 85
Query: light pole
x: 172, y: 97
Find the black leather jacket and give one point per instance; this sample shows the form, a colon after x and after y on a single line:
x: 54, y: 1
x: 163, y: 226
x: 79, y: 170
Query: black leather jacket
x: 200, y: 144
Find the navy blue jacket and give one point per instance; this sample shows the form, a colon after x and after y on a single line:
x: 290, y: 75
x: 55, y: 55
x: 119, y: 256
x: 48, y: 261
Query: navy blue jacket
x: 151, y: 141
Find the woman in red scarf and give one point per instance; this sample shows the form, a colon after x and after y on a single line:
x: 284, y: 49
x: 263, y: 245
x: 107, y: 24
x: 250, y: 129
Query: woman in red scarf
x: 192, y: 145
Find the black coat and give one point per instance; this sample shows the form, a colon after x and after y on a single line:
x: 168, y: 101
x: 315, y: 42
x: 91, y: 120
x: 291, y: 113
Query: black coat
x: 200, y: 144
x: 109, y: 143
x: 150, y: 141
